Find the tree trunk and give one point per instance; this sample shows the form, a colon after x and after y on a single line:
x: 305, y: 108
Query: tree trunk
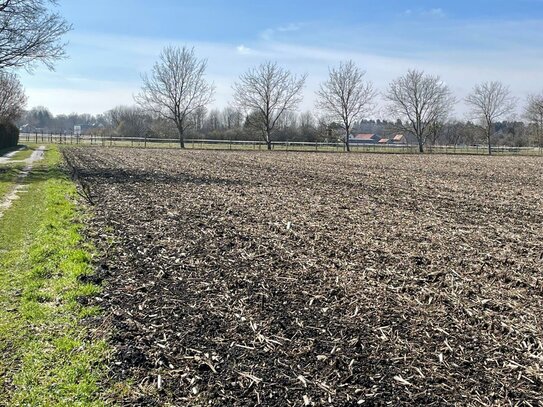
x: 421, y: 147
x: 268, y: 139
x: 181, y: 137
x: 347, y: 135
x: 489, y: 145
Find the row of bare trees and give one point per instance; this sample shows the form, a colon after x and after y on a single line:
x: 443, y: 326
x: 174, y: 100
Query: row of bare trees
x: 177, y: 89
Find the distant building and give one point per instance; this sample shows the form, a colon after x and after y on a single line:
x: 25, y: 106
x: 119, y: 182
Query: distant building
x: 365, y: 139
x: 28, y: 128
x: 85, y: 129
x: 399, y: 139
x: 384, y: 141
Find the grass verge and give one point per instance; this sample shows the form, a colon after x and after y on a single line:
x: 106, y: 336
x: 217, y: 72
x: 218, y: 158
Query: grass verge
x: 47, y: 356
x: 8, y: 150
x: 8, y: 174
x: 25, y: 153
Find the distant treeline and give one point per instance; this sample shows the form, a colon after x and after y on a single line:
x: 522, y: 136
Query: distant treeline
x: 230, y: 124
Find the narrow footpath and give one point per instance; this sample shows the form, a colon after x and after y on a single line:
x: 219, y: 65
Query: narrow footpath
x: 20, y: 186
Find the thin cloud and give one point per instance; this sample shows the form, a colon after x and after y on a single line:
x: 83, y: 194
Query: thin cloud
x: 435, y: 12
x: 113, y: 68
x: 243, y: 50
x: 269, y: 34
x: 290, y: 27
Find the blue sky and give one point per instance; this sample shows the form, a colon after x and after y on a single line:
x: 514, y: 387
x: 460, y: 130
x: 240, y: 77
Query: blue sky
x: 464, y: 42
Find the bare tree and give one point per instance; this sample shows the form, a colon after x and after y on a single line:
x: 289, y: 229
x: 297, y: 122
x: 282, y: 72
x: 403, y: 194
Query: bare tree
x: 489, y: 101
x: 534, y: 114
x: 232, y: 117
x: 308, y: 126
x: 345, y: 97
x: 456, y: 132
x: 197, y: 118
x: 30, y: 33
x: 435, y: 131
x: 130, y: 121
x: 213, y: 120
x: 266, y: 93
x: 307, y: 120
x: 419, y: 100
x: 176, y: 89
x: 288, y: 120
x: 12, y: 97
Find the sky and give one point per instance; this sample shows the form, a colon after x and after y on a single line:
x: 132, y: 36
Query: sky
x: 113, y: 42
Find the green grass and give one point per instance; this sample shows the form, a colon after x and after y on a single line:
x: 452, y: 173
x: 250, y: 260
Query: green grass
x: 24, y: 154
x: 8, y: 174
x: 8, y: 150
x: 48, y: 357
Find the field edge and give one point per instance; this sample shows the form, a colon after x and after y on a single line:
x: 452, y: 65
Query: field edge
x: 49, y: 355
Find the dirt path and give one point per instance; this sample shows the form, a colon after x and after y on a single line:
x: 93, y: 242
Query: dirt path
x: 7, y: 157
x: 20, y: 186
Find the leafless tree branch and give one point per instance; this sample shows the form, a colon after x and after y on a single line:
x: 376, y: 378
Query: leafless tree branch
x: 345, y: 97
x: 12, y: 97
x: 30, y: 34
x: 489, y: 101
x: 176, y: 88
x: 534, y: 114
x: 266, y: 93
x: 419, y: 100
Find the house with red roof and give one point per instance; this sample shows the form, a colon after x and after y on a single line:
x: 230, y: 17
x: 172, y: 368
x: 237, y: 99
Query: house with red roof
x: 399, y: 139
x: 364, y: 139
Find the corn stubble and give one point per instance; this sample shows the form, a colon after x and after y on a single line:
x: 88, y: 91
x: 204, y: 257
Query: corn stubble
x: 299, y: 279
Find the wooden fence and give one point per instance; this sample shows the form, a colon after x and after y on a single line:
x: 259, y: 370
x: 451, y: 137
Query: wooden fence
x: 113, y: 141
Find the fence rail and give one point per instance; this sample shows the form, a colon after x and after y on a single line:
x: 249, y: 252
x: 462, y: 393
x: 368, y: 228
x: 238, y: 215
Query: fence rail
x: 113, y: 141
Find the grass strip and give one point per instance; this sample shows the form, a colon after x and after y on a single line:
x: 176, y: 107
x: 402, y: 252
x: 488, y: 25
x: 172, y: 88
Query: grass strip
x: 8, y: 175
x: 24, y: 154
x: 47, y: 357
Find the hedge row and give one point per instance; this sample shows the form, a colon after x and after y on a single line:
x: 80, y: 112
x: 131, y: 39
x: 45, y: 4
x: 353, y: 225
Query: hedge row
x: 9, y: 135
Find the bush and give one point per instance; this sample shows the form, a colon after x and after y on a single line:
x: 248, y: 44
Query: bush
x: 9, y: 135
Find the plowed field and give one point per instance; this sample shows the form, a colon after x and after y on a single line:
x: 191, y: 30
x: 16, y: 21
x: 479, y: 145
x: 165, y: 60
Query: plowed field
x: 291, y: 279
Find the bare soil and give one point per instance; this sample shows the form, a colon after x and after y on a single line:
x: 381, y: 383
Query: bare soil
x: 291, y: 279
